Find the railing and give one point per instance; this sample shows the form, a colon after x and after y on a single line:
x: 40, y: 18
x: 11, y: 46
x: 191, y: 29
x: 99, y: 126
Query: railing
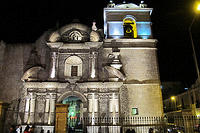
x: 170, y: 124
x: 181, y: 124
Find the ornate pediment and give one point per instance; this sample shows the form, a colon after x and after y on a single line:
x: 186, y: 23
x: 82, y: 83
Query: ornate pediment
x: 75, y: 32
x: 75, y: 35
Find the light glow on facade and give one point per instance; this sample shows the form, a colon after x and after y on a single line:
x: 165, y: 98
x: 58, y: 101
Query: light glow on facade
x: 116, y: 29
x: 144, y: 29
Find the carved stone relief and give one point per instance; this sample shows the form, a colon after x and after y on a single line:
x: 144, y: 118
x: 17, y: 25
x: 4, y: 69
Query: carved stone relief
x: 104, y: 105
x: 40, y: 106
x: 124, y: 100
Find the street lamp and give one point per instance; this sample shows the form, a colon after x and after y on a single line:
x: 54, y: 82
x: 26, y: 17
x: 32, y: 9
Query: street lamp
x: 173, y: 99
x: 197, y: 10
x: 197, y: 6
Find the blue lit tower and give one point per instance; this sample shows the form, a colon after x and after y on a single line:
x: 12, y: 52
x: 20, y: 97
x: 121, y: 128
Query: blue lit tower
x: 127, y: 28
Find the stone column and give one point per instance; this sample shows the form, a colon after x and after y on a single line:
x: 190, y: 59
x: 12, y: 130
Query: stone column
x: 53, y: 66
x: 46, y: 111
x: 93, y: 107
x: 114, y: 112
x: 93, y: 112
x: 52, y: 109
x: 93, y: 65
x: 114, y: 107
x: 27, y: 107
x: 32, y: 108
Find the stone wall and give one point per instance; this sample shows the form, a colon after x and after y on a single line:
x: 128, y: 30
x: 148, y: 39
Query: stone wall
x: 14, y: 59
x: 141, y: 89
x: 147, y: 98
x: 2, y: 51
x: 140, y: 64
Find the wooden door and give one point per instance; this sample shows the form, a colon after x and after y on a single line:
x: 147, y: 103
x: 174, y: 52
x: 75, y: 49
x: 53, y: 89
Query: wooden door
x: 61, y: 118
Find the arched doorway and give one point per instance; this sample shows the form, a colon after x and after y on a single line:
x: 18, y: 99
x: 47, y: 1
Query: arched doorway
x: 75, y: 113
x: 79, y: 102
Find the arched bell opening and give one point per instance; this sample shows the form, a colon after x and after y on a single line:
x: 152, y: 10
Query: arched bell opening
x: 130, y: 29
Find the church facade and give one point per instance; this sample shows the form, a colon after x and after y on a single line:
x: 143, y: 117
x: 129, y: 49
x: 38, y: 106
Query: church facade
x: 96, y: 73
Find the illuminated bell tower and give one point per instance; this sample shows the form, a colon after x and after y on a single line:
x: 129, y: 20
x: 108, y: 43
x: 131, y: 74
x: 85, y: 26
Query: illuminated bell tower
x: 128, y: 29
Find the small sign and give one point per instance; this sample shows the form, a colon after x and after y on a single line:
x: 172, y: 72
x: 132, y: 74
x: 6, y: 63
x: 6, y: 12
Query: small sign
x: 134, y: 111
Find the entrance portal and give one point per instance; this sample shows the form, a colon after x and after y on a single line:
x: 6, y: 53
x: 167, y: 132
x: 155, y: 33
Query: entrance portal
x: 75, y: 107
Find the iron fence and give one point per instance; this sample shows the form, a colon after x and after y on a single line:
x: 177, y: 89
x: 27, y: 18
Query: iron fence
x: 168, y: 124
x: 172, y: 124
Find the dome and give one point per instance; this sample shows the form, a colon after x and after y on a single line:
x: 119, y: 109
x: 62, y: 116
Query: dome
x: 128, y: 5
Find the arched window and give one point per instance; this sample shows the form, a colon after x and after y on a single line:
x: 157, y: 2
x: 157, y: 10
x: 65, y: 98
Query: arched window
x: 129, y: 25
x: 73, y: 66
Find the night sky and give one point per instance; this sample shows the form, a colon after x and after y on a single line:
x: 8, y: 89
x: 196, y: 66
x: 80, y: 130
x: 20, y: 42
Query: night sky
x: 25, y: 21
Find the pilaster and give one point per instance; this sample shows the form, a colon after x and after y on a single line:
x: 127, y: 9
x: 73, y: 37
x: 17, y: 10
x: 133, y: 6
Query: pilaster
x: 53, y: 66
x: 93, y: 65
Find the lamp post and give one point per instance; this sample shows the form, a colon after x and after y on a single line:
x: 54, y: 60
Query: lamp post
x: 197, y: 10
x: 173, y: 99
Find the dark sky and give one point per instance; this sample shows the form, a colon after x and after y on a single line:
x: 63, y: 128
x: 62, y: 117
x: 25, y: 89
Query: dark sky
x: 26, y: 21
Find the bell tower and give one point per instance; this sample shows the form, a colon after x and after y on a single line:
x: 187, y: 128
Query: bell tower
x: 127, y: 27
